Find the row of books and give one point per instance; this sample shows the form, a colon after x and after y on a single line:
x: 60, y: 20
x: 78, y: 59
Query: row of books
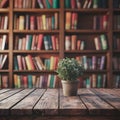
x: 73, y: 43
x: 3, y: 81
x: 36, y: 4
x: 3, y: 60
x: 36, y: 42
x: 101, y: 42
x: 93, y: 62
x: 116, y: 62
x: 29, y: 62
x: 36, y: 22
x: 3, y: 22
x: 116, y: 81
x: 116, y: 21
x: 86, y: 4
x: 3, y: 3
x: 71, y: 20
x: 36, y: 81
x: 116, y: 42
x: 3, y: 41
x: 100, y: 22
x: 94, y: 81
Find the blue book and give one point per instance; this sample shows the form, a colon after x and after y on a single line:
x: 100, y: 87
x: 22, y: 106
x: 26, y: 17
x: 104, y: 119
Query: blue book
x: 30, y: 85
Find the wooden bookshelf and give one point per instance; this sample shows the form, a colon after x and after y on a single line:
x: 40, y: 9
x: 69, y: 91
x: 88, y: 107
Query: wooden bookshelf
x: 85, y: 31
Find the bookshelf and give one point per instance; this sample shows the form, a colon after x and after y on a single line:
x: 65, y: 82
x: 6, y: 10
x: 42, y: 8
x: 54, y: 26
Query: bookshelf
x: 90, y: 24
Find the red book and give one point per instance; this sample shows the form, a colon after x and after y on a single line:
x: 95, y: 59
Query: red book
x: 19, y: 60
x: 25, y: 81
x: 32, y: 22
x: 74, y: 21
x: 53, y: 42
x: 73, y: 4
x: 4, y: 81
x: 3, y: 3
x: 74, y: 41
x: 40, y: 40
x: 78, y: 44
x: 104, y: 22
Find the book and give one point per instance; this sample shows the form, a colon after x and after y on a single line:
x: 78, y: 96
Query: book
x: 74, y: 21
x: 48, y: 4
x: 4, y: 81
x: 40, y: 4
x: 40, y: 41
x: 78, y: 4
x: 103, y: 39
x: 73, y: 4
x: 67, y: 43
x: 55, y: 4
x: 102, y: 63
x: 21, y: 22
x: 68, y: 20
x: 3, y: 59
x: 73, y: 42
x: 67, y: 4
x: 3, y: 3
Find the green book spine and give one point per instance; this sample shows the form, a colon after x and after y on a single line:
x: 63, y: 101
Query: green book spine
x: 29, y: 42
x: 30, y: 81
x: 15, y: 63
x: 55, y: 3
x: 95, y: 3
x: 87, y: 83
x: 67, y: 3
x: 19, y: 81
x: 51, y: 81
x: 99, y: 78
x: 48, y: 4
x: 103, y: 41
x: 53, y: 22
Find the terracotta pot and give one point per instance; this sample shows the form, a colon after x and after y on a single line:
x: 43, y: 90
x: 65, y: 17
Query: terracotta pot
x: 70, y: 87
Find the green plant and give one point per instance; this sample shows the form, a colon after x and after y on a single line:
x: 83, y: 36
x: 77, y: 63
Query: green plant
x: 69, y: 69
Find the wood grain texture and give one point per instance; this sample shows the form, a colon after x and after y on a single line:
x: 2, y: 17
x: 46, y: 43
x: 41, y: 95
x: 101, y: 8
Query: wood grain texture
x: 6, y: 104
x: 71, y: 105
x: 3, y: 90
x: 25, y: 106
x: 48, y: 104
x: 94, y: 104
x: 8, y: 93
x: 109, y: 97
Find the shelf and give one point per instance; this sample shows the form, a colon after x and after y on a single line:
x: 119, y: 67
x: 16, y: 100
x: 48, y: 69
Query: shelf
x: 34, y: 71
x: 4, y: 51
x: 35, y: 10
x: 35, y: 51
x: 36, y: 31
x: 4, y: 71
x: 4, y: 31
x: 4, y: 10
x: 96, y: 71
x: 87, y: 31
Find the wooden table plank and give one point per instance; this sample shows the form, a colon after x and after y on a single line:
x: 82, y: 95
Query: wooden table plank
x: 3, y: 90
x: 112, y: 99
x: 7, y: 103
x: 25, y: 106
x: 95, y: 105
x: 8, y: 93
x: 71, y: 105
x: 48, y: 104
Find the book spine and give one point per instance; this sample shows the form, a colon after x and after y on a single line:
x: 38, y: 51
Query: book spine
x: 56, y: 4
x: 67, y: 43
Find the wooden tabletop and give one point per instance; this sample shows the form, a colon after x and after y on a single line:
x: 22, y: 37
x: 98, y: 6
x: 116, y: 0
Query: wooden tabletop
x: 45, y: 102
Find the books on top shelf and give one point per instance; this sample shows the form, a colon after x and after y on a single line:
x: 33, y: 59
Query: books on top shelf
x: 36, y: 22
x: 36, y: 42
x: 85, y: 4
x: 36, y: 81
x: 42, y: 4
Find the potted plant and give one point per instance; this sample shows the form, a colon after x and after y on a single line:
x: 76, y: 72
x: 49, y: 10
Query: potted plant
x: 69, y: 70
